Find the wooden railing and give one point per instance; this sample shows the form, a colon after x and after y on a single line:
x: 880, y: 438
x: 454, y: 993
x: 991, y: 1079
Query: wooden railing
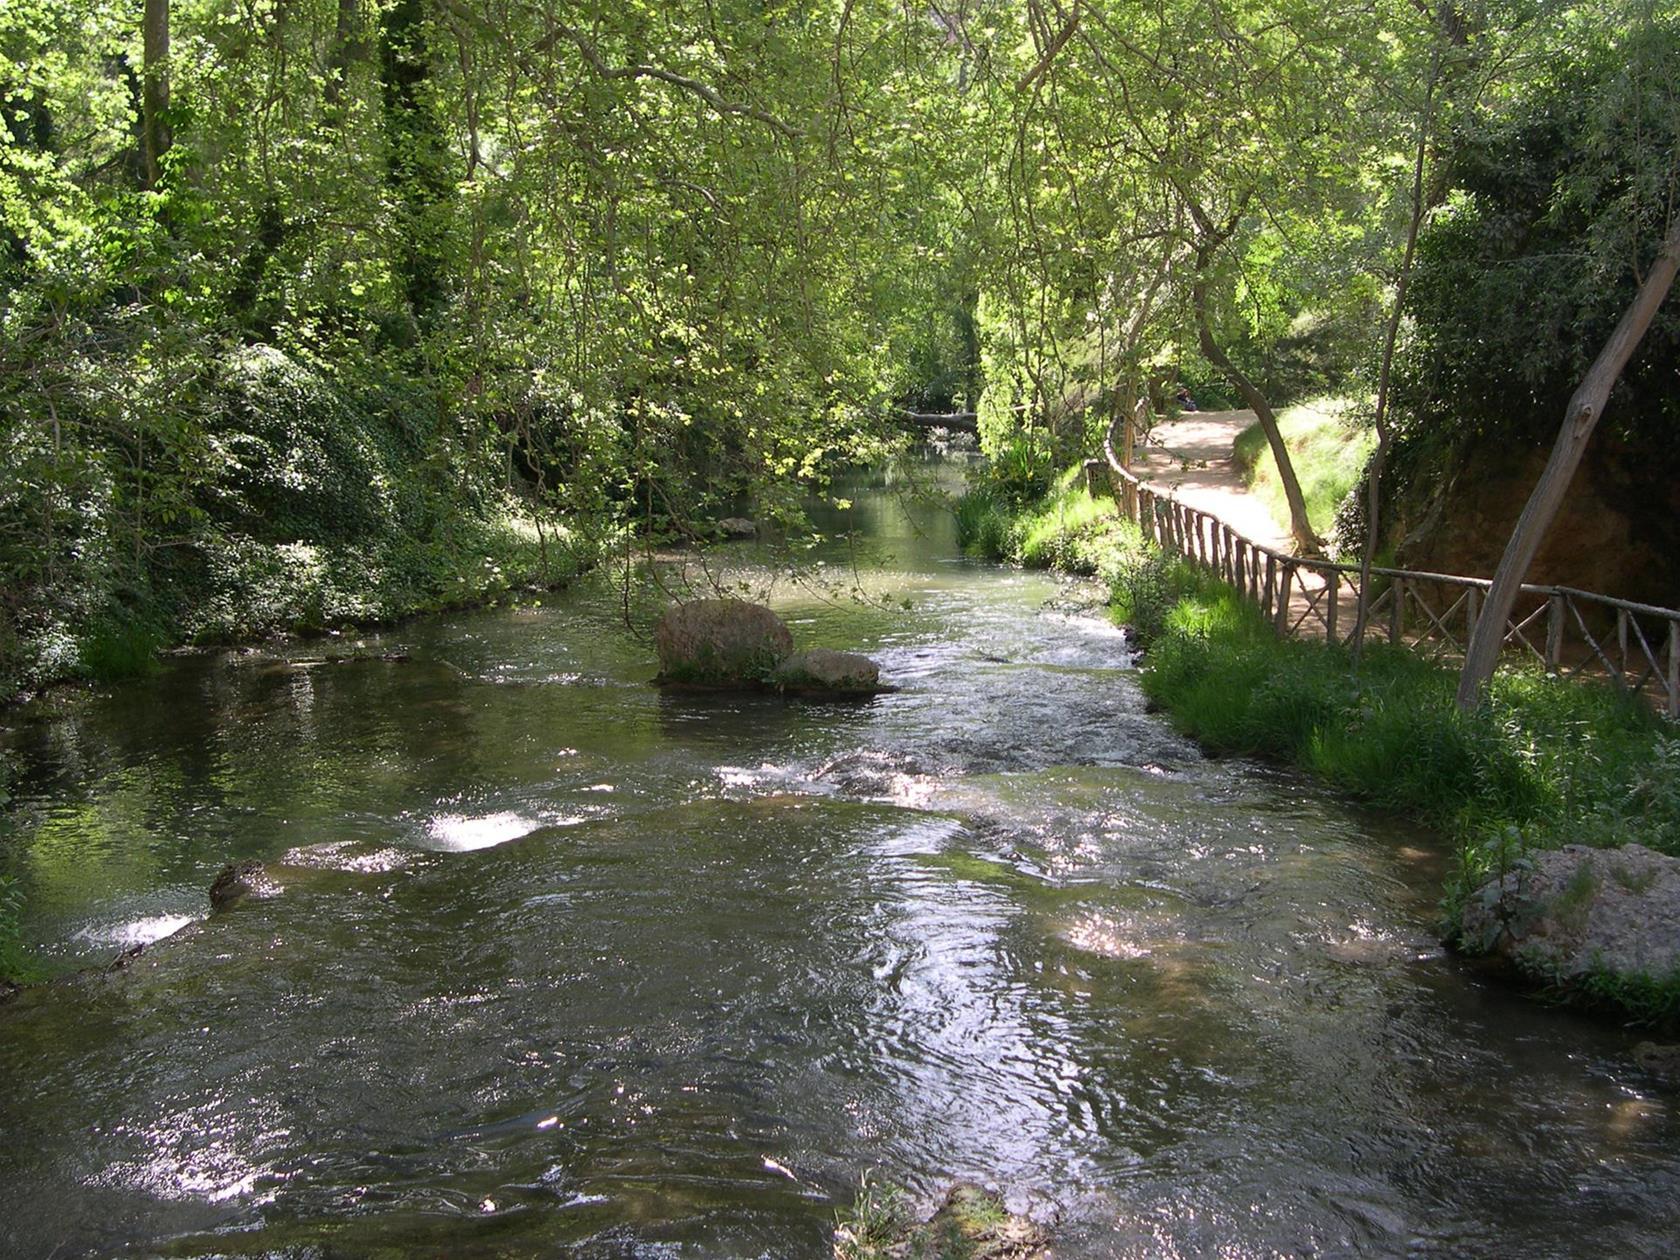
x: 1568, y: 631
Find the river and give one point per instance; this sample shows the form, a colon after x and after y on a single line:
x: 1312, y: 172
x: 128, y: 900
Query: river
x: 564, y: 966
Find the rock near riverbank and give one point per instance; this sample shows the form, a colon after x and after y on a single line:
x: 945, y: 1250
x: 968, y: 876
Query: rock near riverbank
x: 1603, y: 920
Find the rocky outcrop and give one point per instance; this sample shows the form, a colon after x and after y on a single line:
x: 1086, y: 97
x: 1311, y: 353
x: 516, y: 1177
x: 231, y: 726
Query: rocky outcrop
x: 238, y: 880
x: 829, y: 672
x: 737, y: 529
x: 720, y: 642
x: 1618, y: 533
x: 1577, y: 914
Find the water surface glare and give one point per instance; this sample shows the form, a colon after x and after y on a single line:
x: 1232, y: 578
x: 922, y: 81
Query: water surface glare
x: 564, y: 966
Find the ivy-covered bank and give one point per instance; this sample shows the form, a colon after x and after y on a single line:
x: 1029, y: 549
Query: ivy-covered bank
x: 302, y: 502
x: 1541, y: 765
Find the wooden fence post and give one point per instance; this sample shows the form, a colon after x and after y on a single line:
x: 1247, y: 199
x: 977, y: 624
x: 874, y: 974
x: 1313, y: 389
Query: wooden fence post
x: 1674, y: 669
x: 1554, y: 630
x: 1397, y: 610
x: 1098, y: 482
x: 1285, y: 589
x: 1142, y: 507
x: 1332, y: 604
x: 1472, y: 605
x: 1271, y: 584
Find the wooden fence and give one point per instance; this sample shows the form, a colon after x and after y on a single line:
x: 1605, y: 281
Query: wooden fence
x: 1569, y: 632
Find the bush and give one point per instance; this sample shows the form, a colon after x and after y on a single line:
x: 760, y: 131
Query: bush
x: 1066, y: 529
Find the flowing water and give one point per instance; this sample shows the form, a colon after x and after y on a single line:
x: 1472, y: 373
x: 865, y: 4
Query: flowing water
x: 564, y: 966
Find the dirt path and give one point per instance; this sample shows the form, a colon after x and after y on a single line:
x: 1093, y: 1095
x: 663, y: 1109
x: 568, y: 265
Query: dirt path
x: 1191, y: 456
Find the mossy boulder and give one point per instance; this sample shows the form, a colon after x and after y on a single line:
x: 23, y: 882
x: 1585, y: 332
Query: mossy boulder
x: 720, y: 643
x: 1604, y: 922
x: 827, y: 672
x: 737, y: 529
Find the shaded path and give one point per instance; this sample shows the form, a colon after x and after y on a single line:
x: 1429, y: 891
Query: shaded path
x: 1191, y: 457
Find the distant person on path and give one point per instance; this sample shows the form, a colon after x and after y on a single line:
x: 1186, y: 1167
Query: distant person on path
x: 1185, y: 402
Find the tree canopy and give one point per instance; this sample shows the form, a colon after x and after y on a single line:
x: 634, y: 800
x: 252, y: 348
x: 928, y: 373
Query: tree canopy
x: 317, y: 300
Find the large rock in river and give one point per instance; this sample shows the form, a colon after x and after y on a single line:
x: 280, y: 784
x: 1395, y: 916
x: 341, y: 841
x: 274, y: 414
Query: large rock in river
x: 1570, y: 913
x: 720, y: 642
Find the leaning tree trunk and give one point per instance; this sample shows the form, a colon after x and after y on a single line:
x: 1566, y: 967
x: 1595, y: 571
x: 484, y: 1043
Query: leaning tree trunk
x: 1299, y: 526
x: 1579, y: 420
x: 154, y: 90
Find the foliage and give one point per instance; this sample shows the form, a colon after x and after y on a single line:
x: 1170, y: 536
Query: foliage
x: 590, y: 268
x: 1067, y: 529
x: 1328, y: 449
x: 601, y: 268
x: 1556, y: 194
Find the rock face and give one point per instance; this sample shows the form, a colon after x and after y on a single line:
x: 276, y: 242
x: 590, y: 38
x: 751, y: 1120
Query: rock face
x: 829, y: 672
x: 1618, y: 533
x: 1576, y: 912
x: 720, y: 642
x: 238, y: 880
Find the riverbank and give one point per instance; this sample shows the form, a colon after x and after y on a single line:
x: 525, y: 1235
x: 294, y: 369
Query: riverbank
x: 1541, y: 765
x: 237, y: 589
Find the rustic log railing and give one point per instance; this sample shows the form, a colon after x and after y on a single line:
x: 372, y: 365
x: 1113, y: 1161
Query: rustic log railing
x: 1568, y: 631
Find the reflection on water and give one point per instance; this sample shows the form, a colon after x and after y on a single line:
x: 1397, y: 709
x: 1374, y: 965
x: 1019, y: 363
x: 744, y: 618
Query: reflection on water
x: 564, y: 966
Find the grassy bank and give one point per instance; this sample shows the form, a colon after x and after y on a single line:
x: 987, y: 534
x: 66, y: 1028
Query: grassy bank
x: 1543, y: 764
x: 1068, y: 529
x: 1327, y: 451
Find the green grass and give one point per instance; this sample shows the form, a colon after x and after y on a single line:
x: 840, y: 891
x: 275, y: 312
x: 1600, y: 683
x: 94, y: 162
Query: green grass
x: 1068, y: 529
x: 972, y: 1224
x: 1328, y: 453
x: 1543, y: 764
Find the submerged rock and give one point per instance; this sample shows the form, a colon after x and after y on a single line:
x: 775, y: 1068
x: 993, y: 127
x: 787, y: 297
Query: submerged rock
x: 720, y: 642
x: 1576, y: 914
x: 1661, y: 1061
x: 827, y: 672
x: 238, y: 880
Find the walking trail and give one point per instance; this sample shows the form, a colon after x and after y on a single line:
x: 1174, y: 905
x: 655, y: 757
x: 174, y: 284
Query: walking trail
x: 1191, y: 456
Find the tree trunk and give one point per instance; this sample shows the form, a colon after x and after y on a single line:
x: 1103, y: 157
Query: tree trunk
x: 154, y: 93
x: 1299, y: 527
x: 1579, y: 420
x: 416, y: 157
x: 346, y: 40
x: 1385, y: 435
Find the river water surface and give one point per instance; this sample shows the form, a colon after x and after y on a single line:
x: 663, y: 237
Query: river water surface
x: 564, y: 966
